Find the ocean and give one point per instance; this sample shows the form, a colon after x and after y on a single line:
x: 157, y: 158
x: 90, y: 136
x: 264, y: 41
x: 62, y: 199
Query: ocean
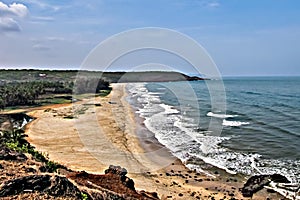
x: 260, y: 129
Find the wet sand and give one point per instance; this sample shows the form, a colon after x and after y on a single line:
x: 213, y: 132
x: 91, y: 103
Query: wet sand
x: 96, y: 132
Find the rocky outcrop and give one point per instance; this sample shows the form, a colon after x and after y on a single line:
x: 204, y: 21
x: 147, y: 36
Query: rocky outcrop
x: 56, y: 186
x: 121, y: 172
x: 257, y: 182
x: 114, y: 184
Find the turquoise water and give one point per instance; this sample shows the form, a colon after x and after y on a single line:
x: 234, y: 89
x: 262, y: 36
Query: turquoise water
x: 260, y: 129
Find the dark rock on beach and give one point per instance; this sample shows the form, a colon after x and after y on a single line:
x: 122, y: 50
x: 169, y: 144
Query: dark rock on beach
x: 257, y: 182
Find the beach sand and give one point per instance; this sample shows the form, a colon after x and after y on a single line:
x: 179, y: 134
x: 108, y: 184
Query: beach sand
x: 93, y: 133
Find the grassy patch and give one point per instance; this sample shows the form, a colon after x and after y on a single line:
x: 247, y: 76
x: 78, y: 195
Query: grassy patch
x: 15, y: 140
x: 84, y: 196
x: 54, y: 99
x: 103, y: 93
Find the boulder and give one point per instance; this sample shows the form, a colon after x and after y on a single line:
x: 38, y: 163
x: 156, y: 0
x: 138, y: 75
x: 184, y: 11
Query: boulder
x: 116, y: 170
x: 121, y: 172
x: 257, y: 182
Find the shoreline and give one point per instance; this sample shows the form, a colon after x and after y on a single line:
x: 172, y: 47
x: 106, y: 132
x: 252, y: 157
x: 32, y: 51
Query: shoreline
x: 66, y: 142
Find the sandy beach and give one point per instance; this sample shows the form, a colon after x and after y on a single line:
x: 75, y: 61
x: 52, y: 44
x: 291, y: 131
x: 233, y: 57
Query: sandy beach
x: 93, y: 133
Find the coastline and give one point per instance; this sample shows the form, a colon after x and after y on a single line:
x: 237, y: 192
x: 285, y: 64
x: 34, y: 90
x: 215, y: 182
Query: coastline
x: 62, y: 139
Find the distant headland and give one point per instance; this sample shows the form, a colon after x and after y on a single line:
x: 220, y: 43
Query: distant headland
x: 15, y: 75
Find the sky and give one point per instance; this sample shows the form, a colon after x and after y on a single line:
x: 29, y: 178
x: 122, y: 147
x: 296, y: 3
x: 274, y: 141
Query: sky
x: 243, y: 37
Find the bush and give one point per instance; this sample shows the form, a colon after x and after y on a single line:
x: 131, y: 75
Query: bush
x: 15, y: 140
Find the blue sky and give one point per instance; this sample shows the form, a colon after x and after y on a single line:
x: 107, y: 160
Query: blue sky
x: 244, y: 37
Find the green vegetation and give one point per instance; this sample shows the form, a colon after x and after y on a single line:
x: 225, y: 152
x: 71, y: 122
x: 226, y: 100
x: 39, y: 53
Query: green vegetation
x: 84, y: 196
x: 46, y: 92
x: 39, y: 87
x: 25, y: 93
x: 15, y: 140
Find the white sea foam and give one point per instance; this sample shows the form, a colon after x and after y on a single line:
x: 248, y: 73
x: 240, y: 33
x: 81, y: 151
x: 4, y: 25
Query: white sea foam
x: 217, y: 164
x: 233, y: 123
x: 169, y: 109
x: 222, y: 116
x: 177, y: 132
x: 198, y: 169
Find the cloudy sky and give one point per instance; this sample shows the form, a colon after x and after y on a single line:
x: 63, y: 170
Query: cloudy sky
x: 249, y: 37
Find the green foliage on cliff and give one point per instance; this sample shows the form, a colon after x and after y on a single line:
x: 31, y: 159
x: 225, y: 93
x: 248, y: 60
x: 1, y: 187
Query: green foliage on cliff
x: 15, y: 140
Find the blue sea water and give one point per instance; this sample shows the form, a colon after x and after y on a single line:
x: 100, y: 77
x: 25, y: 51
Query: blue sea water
x: 260, y: 129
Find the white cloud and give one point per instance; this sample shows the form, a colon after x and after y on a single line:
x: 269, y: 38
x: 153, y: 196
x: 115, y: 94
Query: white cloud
x: 198, y: 3
x: 12, y: 10
x: 9, y: 25
x: 51, y: 39
x: 9, y: 16
x: 43, y: 5
x: 40, y: 47
x: 213, y: 4
x: 42, y: 19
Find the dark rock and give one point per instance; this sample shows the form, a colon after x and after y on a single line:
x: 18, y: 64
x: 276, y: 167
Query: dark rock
x: 129, y: 183
x: 256, y: 183
x: 149, y: 194
x: 116, y: 170
x: 53, y: 185
x: 43, y: 169
x: 8, y: 154
x: 61, y: 186
x: 30, y: 170
x: 279, y: 178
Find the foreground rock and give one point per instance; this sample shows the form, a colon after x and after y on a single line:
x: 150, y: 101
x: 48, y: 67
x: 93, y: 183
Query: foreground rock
x: 256, y: 183
x: 55, y: 186
x: 114, y: 184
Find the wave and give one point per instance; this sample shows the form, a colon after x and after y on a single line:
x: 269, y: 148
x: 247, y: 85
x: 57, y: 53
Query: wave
x: 178, y: 132
x: 222, y: 116
x: 234, y: 123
